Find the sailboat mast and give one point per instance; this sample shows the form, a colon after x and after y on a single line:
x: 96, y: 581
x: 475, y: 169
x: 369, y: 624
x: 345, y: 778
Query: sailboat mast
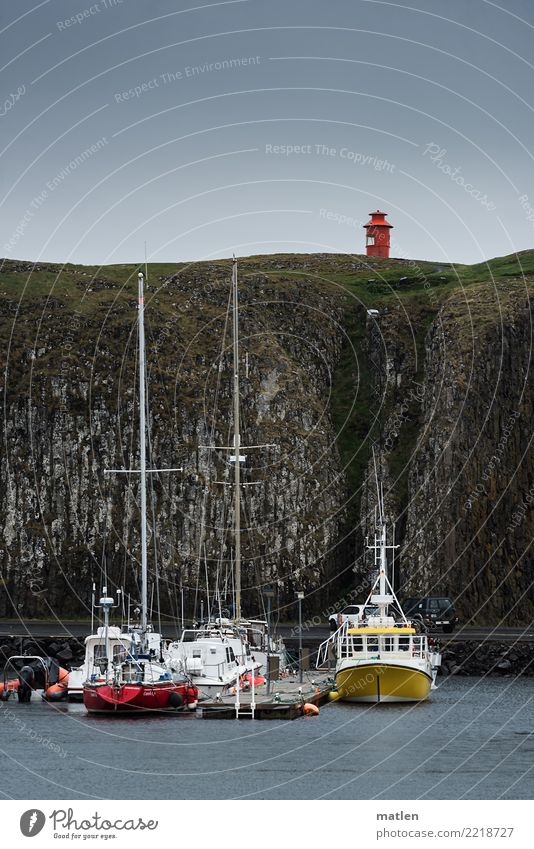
x: 381, y: 542
x: 237, y: 447
x: 142, y: 442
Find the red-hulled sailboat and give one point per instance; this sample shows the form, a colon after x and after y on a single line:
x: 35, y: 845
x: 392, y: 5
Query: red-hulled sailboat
x: 126, y: 674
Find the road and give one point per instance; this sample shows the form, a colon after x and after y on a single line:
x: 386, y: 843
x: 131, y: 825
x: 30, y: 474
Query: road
x: 310, y: 637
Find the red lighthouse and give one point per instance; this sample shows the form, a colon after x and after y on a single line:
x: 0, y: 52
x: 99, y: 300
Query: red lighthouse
x: 377, y: 238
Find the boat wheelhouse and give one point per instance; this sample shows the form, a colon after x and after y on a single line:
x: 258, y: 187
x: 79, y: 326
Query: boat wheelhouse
x: 95, y: 661
x: 213, y: 659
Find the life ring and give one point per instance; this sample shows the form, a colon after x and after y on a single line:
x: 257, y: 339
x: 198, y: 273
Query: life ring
x: 310, y: 710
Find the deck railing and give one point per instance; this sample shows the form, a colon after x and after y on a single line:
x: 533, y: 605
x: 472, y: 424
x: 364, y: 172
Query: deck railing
x: 341, y: 645
x: 328, y: 649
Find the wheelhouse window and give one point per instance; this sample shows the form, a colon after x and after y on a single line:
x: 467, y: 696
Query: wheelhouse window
x: 100, y: 652
x: 119, y: 653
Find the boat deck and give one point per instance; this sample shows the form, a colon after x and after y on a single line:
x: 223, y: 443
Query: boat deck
x: 285, y: 700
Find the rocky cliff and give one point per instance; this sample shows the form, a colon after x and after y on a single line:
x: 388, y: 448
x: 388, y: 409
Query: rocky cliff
x: 473, y: 467
x: 438, y: 379
x: 455, y: 452
x: 71, y: 414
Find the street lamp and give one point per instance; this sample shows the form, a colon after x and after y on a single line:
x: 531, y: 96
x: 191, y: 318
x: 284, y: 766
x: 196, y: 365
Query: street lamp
x: 300, y: 596
x: 269, y: 594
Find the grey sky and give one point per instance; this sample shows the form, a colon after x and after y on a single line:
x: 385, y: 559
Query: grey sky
x: 425, y: 111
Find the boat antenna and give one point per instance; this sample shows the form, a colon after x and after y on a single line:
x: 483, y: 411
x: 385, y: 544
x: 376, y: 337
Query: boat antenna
x: 379, y: 492
x: 381, y: 598
x: 237, y: 444
x: 220, y: 607
x: 93, y: 600
x: 207, y: 583
x: 232, y: 577
x: 217, y: 600
x: 142, y: 443
x: 386, y: 593
x: 106, y: 605
x: 151, y: 601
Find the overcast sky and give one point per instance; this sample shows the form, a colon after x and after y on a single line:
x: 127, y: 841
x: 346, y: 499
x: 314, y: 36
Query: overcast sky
x: 262, y: 126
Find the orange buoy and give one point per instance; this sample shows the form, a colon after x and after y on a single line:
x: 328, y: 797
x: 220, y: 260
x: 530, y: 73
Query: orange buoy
x: 59, y: 690
x: 11, y: 686
x: 310, y: 710
x: 258, y: 679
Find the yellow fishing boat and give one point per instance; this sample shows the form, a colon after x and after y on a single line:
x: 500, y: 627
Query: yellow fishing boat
x: 383, y: 664
x: 381, y: 658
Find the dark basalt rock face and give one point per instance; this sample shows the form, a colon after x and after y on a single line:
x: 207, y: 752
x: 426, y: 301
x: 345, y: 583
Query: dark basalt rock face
x: 456, y: 451
x: 71, y: 414
x: 445, y: 379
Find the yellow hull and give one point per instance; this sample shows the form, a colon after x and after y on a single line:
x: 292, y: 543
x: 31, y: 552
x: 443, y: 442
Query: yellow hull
x: 381, y: 682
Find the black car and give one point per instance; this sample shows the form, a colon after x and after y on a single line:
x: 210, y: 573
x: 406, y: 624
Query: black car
x: 434, y: 611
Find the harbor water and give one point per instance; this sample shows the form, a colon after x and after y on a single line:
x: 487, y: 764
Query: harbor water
x: 474, y: 739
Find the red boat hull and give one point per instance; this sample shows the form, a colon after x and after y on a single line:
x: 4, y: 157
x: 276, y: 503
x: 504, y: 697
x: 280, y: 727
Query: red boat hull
x: 161, y: 696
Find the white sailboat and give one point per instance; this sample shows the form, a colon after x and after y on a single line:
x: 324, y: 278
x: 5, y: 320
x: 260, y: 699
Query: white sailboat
x: 202, y: 651
x: 256, y: 632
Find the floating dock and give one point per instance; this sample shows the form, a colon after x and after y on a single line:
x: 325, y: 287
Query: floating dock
x: 285, y: 700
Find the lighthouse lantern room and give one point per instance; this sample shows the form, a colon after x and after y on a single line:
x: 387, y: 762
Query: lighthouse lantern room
x: 377, y: 238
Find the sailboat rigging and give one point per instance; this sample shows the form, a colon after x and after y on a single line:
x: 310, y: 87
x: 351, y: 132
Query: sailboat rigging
x: 247, y: 642
x: 124, y: 670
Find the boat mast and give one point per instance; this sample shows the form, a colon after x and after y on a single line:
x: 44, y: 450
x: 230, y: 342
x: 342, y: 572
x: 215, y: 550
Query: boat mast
x: 142, y: 442
x: 385, y: 594
x: 383, y: 589
x: 237, y: 446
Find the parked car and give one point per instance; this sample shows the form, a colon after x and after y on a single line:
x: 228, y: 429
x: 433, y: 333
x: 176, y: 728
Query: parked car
x: 352, y: 613
x: 433, y: 611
